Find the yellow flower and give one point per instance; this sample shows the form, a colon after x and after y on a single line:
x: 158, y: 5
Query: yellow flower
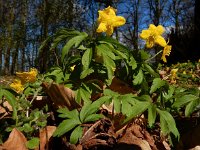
x: 166, y: 52
x: 173, y: 75
x: 27, y: 76
x: 108, y: 20
x: 184, y: 72
x: 72, y: 67
x: 17, y: 86
x: 153, y: 36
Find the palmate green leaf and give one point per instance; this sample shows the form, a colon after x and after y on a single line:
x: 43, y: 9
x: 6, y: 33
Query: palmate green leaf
x: 149, y: 69
x: 105, y: 49
x: 76, y: 134
x: 115, y: 43
x: 138, y: 78
x: 33, y: 143
x: 133, y: 63
x: 66, y: 126
x: 184, y: 100
x: 167, y: 123
x: 75, y: 41
x: 85, y: 94
x: 91, y: 108
x: 86, y: 59
x: 190, y: 108
x: 169, y: 93
x: 144, y: 55
x: 110, y: 66
x: 86, y: 72
x: 157, y: 84
x: 151, y: 114
x: 93, y: 117
x: 126, y: 108
x: 138, y: 108
x: 11, y: 100
x: 84, y: 111
x: 117, y: 104
x: 65, y: 113
x: 110, y: 93
x: 120, y: 54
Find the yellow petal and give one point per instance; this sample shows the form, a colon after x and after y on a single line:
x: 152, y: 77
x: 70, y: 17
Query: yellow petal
x: 118, y: 21
x: 110, y: 11
x: 160, y: 40
x: 152, y: 27
x: 160, y: 29
x: 145, y: 34
x: 166, y: 52
x: 109, y: 31
x: 102, y: 28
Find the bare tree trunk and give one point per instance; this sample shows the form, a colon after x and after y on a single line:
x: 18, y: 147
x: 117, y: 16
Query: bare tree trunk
x: 14, y: 60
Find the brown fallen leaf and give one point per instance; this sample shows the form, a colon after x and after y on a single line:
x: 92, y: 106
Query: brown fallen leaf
x: 99, y: 135
x: 121, y: 87
x: 45, y: 135
x: 15, y: 141
x: 61, y: 95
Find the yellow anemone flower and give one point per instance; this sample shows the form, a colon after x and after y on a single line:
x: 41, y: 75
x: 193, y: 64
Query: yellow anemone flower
x: 26, y: 77
x: 173, y: 75
x: 166, y: 52
x: 72, y: 67
x: 153, y: 36
x: 108, y: 20
x: 17, y: 86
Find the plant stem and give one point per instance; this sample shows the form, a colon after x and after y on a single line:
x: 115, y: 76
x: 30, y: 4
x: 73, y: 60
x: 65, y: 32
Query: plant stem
x: 154, y: 56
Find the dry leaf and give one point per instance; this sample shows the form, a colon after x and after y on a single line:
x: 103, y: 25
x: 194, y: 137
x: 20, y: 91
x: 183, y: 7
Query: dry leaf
x: 45, y: 135
x: 15, y: 141
x: 61, y: 95
x: 121, y: 87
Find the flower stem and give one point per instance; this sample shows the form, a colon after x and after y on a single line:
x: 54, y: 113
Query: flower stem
x: 154, y: 56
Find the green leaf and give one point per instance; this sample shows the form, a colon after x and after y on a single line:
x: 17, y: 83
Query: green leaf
x: 151, y: 114
x: 105, y: 49
x: 137, y: 109
x: 65, y: 113
x: 168, y: 123
x: 33, y: 143
x: 76, y: 135
x: 138, y: 78
x: 27, y: 128
x: 183, y: 100
x: 86, y: 72
x: 117, y: 104
x: 86, y: 59
x: 126, y: 107
x: 157, y: 83
x: 85, y: 94
x: 190, y: 108
x: 169, y: 93
x: 148, y: 68
x: 75, y: 41
x: 110, y: 93
x: 66, y: 126
x: 133, y: 63
x: 93, y: 117
x: 84, y: 111
x: 11, y: 100
x: 144, y: 55
x: 92, y: 108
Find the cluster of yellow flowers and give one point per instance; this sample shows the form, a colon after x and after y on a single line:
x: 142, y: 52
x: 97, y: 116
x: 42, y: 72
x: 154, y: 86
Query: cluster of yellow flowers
x: 153, y: 35
x: 24, y: 77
